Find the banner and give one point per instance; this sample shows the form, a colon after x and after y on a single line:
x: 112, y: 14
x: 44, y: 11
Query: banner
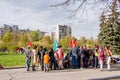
x: 73, y: 42
x: 29, y: 44
x: 55, y: 45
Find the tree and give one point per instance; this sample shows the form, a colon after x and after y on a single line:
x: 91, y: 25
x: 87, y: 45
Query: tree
x: 82, y: 41
x: 46, y: 42
x: 110, y: 29
x: 103, y: 26
x: 10, y: 41
x: 14, y: 42
x: 35, y: 36
x: 23, y: 40
x: 75, y: 6
x: 90, y: 42
x: 65, y: 42
x: 7, y: 39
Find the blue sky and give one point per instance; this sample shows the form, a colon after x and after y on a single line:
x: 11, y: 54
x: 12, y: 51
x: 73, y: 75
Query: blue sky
x: 37, y: 14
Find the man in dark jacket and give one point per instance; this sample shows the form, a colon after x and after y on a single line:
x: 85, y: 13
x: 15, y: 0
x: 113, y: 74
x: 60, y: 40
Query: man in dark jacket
x: 52, y: 58
x: 86, y: 53
x: 41, y: 53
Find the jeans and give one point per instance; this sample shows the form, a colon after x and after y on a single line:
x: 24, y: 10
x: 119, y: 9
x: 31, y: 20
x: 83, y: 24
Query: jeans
x: 95, y: 62
x: 74, y: 61
x: 52, y: 61
x: 42, y: 64
x: 27, y: 64
x: 86, y: 62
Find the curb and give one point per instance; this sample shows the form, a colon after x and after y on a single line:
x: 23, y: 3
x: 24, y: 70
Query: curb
x: 14, y: 67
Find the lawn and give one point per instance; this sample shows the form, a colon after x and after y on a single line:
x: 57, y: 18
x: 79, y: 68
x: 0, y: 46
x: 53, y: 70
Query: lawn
x: 8, y: 60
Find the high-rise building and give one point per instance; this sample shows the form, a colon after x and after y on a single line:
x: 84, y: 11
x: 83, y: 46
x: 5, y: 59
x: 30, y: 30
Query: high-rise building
x: 62, y: 31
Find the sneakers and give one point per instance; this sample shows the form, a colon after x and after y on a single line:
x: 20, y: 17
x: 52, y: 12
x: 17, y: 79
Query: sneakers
x: 33, y: 67
x: 46, y: 70
x: 108, y: 69
x: 28, y: 69
x: 101, y: 69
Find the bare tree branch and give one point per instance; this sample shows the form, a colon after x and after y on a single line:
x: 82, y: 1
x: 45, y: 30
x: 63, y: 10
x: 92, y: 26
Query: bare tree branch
x: 84, y: 5
x: 77, y: 9
x: 67, y: 2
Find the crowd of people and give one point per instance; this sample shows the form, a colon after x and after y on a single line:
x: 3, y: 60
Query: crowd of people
x: 77, y: 57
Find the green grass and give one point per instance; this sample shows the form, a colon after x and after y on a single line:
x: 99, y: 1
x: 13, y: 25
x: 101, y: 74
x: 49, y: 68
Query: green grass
x: 8, y: 60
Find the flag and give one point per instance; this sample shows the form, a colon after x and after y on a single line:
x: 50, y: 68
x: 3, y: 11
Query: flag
x: 73, y: 42
x: 29, y: 44
x: 55, y: 45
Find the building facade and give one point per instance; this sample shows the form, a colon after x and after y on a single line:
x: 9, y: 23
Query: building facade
x: 62, y: 31
x: 15, y: 29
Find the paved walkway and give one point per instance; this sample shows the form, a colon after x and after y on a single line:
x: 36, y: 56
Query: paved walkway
x: 67, y: 74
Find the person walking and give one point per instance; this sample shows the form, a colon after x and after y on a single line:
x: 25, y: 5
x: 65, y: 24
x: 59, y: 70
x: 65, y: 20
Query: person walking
x: 108, y: 54
x: 41, y: 53
x: 28, y: 57
x: 101, y: 57
x: 34, y: 57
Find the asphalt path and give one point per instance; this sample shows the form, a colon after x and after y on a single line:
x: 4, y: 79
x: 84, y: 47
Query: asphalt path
x: 66, y: 74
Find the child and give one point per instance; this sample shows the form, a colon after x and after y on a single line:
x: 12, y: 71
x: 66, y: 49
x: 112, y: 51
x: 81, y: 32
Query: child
x: 46, y: 61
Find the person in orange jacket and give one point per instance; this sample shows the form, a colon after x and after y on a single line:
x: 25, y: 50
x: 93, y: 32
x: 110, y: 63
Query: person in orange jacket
x: 46, y: 61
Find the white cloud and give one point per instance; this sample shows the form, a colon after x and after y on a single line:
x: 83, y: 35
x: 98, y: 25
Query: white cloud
x: 37, y: 14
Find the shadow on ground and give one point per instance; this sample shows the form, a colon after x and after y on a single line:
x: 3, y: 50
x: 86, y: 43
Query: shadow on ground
x: 108, y: 78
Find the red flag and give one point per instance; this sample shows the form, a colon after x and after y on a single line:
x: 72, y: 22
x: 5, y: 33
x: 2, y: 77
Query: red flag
x: 71, y: 44
x: 75, y: 42
x: 29, y: 44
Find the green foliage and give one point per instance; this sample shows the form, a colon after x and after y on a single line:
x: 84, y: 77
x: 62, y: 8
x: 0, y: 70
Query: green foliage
x: 46, y: 42
x: 82, y: 41
x: 65, y: 42
x: 23, y: 40
x: 90, y: 42
x: 7, y: 37
x: 110, y: 29
x: 47, y: 39
x: 10, y: 41
x: 35, y: 35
